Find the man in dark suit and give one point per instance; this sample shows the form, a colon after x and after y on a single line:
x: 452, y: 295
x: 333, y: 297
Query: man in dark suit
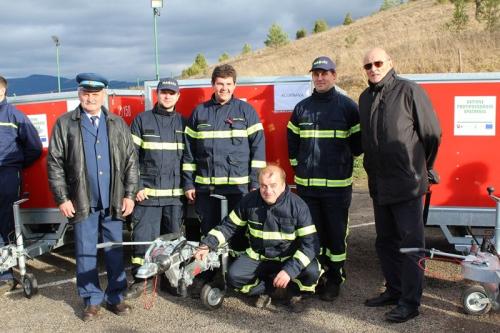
x: 92, y: 168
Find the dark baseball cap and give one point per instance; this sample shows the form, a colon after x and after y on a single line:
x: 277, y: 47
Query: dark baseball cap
x: 323, y: 63
x: 168, y: 84
x: 91, y: 81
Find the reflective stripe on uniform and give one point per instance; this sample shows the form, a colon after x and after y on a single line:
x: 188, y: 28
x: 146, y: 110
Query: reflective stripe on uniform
x: 137, y: 140
x: 162, y: 145
x: 254, y: 128
x: 8, y: 124
x: 300, y: 256
x: 258, y: 164
x: 188, y: 167
x: 324, y: 134
x: 219, y: 235
x: 151, y: 192
x: 270, y: 235
x: 311, y: 288
x: 323, y: 182
x: 222, y: 180
x: 234, y: 133
x: 256, y: 256
x: 335, y: 257
x: 137, y: 261
x: 310, y: 229
x: 293, y: 128
x: 236, y: 220
x: 293, y: 162
x: 246, y: 288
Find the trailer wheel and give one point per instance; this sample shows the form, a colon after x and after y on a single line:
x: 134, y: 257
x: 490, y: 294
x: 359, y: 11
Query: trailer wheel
x: 475, y: 301
x: 211, y: 297
x: 30, y: 285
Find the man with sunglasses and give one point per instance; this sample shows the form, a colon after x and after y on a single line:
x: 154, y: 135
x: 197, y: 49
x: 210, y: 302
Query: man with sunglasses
x: 400, y: 136
x: 323, y: 137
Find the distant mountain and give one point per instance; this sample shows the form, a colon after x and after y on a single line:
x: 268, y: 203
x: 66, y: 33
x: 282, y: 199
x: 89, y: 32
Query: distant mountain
x: 41, y: 84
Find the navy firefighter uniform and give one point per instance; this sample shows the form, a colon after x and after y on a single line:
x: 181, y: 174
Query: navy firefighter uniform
x: 282, y: 236
x: 20, y: 146
x: 225, y: 149
x: 323, y: 136
x: 158, y: 135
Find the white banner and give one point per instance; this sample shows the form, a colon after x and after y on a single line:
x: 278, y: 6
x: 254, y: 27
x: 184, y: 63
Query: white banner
x: 475, y: 116
x: 40, y: 123
x: 287, y: 95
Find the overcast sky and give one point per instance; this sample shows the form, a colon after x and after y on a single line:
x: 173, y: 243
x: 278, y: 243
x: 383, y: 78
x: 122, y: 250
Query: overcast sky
x: 115, y: 37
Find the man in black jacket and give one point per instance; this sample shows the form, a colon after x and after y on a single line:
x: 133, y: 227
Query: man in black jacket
x: 400, y: 136
x: 323, y: 138
x: 92, y: 169
x: 282, y: 237
x: 159, y: 140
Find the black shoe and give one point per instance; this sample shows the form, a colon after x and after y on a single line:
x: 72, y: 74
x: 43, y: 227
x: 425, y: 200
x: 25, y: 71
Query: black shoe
x: 296, y: 304
x: 401, y: 313
x: 329, y: 292
x: 137, y: 288
x: 263, y: 301
x: 383, y: 299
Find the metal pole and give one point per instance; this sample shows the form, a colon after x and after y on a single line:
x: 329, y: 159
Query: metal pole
x: 155, y: 14
x: 58, y: 69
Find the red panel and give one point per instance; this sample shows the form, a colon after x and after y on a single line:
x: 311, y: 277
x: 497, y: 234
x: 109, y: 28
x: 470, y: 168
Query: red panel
x: 126, y: 107
x: 35, y: 177
x: 466, y: 164
x: 261, y: 97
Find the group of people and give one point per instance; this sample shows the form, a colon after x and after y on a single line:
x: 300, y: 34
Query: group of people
x: 100, y: 172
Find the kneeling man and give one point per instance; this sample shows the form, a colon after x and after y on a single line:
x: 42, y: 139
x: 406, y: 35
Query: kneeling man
x: 283, y: 242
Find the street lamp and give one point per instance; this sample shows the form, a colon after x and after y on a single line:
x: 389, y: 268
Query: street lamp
x: 58, y: 43
x: 156, y: 5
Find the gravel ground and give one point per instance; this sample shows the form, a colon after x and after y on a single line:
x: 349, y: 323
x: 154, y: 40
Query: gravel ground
x: 57, y: 308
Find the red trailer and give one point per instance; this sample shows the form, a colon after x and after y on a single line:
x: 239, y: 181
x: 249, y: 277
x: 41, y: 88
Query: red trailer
x: 41, y: 220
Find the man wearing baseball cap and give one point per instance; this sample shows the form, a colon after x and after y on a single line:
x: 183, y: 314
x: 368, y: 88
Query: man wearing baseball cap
x: 158, y: 137
x: 92, y: 171
x: 323, y: 138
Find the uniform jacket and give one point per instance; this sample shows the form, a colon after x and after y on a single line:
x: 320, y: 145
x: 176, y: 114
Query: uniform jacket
x: 159, y: 139
x: 225, y: 147
x: 323, y: 136
x: 20, y: 144
x: 283, y: 231
x: 68, y: 177
x: 400, y: 136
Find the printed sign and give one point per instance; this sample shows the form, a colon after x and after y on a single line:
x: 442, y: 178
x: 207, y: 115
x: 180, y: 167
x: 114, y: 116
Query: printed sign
x: 40, y: 123
x: 287, y: 95
x: 475, y: 116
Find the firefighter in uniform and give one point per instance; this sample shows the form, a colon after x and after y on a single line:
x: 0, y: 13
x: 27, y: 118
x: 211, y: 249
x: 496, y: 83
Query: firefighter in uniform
x: 323, y: 137
x: 20, y: 146
x: 158, y: 135
x: 283, y: 242
x: 225, y: 148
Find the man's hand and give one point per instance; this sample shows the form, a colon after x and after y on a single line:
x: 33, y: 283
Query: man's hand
x: 190, y: 195
x: 67, y: 209
x: 127, y: 206
x: 281, y: 280
x: 141, y: 196
x: 201, y: 252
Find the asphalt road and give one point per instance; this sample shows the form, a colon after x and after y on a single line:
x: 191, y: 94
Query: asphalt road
x: 57, y: 307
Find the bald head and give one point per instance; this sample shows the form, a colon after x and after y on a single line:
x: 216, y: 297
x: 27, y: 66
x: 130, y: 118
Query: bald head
x: 377, y: 63
x: 272, y: 183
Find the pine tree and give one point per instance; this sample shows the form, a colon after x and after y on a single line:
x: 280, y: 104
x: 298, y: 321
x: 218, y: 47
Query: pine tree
x: 320, y: 26
x: 389, y: 4
x: 224, y: 57
x: 348, y: 19
x: 276, y: 37
x: 247, y: 48
x: 301, y: 33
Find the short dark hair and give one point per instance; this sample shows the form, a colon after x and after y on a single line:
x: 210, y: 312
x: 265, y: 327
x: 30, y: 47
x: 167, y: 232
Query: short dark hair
x: 3, y: 82
x: 224, y: 71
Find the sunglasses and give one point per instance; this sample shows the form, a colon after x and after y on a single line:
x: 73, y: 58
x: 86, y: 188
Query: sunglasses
x: 377, y: 64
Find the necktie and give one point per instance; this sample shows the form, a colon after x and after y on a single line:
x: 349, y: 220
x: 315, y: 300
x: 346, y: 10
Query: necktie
x: 95, y: 121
